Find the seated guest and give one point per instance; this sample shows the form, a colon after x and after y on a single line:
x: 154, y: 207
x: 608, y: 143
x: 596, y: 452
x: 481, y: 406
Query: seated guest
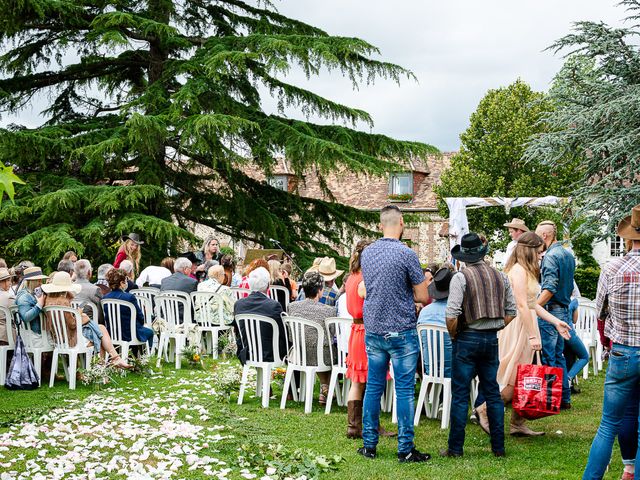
x: 277, y: 279
x: 59, y: 293
x: 127, y: 266
x: 195, y: 263
x: 434, y: 314
x: 231, y: 278
x: 71, y: 255
x: 181, y: 279
x: 117, y: 279
x: 327, y: 268
x: 221, y: 304
x: 258, y: 303
x: 258, y: 262
x: 18, y: 274
x: 30, y: 301
x: 90, y: 293
x: 7, y: 299
x: 286, y: 273
x: 153, y: 275
x: 101, y: 282
x: 311, y: 309
x: 66, y: 266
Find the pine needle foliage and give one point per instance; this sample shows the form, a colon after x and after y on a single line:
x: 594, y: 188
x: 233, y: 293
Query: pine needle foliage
x: 597, y: 119
x: 155, y: 120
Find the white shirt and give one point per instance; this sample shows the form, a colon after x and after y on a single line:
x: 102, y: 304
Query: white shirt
x: 342, y: 306
x: 152, y: 275
x: 510, y: 248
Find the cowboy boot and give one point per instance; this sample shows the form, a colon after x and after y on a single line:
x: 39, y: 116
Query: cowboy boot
x: 354, y: 418
x: 384, y: 433
x: 518, y: 428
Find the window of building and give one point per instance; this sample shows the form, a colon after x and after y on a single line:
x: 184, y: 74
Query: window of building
x: 401, y: 184
x: 617, y: 246
x: 281, y: 182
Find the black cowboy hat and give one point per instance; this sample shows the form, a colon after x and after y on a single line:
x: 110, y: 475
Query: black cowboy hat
x: 439, y: 288
x: 134, y: 237
x: 191, y: 256
x: 470, y: 250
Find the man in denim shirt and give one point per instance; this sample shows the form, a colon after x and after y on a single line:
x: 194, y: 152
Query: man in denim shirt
x: 393, y: 280
x: 557, y: 270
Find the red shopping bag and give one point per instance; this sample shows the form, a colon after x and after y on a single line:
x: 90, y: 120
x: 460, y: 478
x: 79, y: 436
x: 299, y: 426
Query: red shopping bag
x: 538, y: 391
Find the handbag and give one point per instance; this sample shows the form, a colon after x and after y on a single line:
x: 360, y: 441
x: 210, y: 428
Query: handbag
x: 22, y: 375
x: 538, y: 390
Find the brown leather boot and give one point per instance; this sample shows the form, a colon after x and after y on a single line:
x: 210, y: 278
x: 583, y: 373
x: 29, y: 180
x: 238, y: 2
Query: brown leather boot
x: 354, y: 418
x: 384, y: 433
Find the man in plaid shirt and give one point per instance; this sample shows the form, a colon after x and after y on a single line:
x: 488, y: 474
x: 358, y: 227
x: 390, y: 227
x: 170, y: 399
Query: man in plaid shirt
x: 618, y: 301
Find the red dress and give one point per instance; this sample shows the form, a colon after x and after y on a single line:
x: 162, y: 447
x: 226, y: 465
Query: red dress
x: 357, y: 357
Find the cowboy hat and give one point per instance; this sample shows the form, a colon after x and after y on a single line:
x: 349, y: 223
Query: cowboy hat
x: 61, y: 282
x: 439, y: 288
x: 315, y: 266
x: 327, y: 268
x: 5, y: 273
x: 629, y: 227
x: 470, y: 250
x: 517, y: 224
x: 134, y: 237
x: 33, y: 273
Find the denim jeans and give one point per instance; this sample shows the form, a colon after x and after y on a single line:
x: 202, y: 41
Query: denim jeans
x: 553, y: 346
x: 402, y: 349
x: 620, y: 387
x: 475, y: 352
x: 580, y: 352
x: 628, y: 436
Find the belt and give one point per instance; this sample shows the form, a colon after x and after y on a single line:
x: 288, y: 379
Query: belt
x: 358, y: 321
x: 555, y: 304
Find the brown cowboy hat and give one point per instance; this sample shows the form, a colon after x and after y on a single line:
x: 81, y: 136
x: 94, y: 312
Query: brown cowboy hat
x: 517, y: 224
x: 5, y: 273
x: 629, y: 227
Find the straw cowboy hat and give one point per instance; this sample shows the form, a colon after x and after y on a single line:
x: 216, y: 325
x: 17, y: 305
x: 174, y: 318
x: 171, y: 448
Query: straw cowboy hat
x: 470, y: 250
x: 61, y: 282
x: 629, y: 227
x: 439, y: 288
x: 5, y: 273
x: 315, y: 266
x: 33, y: 273
x: 517, y: 224
x: 134, y: 237
x: 327, y: 268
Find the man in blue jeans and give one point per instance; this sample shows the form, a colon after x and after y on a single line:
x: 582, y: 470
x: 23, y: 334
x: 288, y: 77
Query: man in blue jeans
x: 480, y: 304
x: 618, y: 302
x: 556, y: 271
x: 393, y: 280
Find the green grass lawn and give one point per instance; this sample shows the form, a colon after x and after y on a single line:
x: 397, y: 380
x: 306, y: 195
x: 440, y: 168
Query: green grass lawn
x: 135, y: 400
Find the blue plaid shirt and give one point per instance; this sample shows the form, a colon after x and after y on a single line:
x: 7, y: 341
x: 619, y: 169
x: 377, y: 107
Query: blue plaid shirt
x: 329, y: 296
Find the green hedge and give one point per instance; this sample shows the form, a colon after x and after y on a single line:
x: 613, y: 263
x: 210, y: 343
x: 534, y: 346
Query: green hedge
x: 587, y: 280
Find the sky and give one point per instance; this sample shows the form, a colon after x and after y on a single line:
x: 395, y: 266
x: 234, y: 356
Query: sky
x: 458, y: 49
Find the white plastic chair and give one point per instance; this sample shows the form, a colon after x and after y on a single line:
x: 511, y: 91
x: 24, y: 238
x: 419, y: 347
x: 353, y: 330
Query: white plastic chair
x: 341, y: 328
x: 146, y: 292
x: 113, y: 320
x: 36, y: 349
x: 91, y: 305
x: 5, y: 349
x: 434, y: 351
x: 297, y: 359
x: 250, y: 327
x: 587, y: 329
x: 168, y: 308
x: 273, y: 294
x: 62, y: 346
x: 146, y: 306
x: 239, y: 293
x: 209, y: 323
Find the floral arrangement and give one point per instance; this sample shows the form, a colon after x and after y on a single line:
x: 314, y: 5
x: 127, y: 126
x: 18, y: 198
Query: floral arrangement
x: 400, y: 197
x: 226, y: 381
x: 99, y: 373
x: 227, y: 344
x: 277, y: 375
x: 193, y: 354
x: 140, y: 364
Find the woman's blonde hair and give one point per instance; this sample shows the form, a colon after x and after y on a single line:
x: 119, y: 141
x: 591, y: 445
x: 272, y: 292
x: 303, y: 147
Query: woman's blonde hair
x: 133, y: 254
x: 526, y: 254
x: 275, y: 269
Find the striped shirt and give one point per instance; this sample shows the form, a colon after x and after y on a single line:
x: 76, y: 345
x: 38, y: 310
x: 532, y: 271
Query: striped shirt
x: 457, y: 290
x: 618, y: 299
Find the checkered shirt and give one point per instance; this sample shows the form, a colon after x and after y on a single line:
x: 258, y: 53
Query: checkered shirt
x: 618, y: 299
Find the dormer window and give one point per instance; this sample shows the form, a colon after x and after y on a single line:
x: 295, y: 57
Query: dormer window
x: 401, y: 184
x: 281, y: 182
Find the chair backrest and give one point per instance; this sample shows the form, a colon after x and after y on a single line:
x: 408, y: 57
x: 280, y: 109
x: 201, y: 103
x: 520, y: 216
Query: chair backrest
x: 173, y: 309
x: 431, y: 338
x: 341, y: 329
x: 250, y: 327
x: 27, y: 326
x: 204, y: 304
x: 113, y: 318
x: 146, y: 305
x: 587, y: 320
x: 60, y: 334
x: 297, y: 328
x: 91, y: 305
x: 276, y: 291
x: 585, y: 301
x: 146, y: 292
x: 239, y: 293
x: 176, y: 293
x: 8, y: 319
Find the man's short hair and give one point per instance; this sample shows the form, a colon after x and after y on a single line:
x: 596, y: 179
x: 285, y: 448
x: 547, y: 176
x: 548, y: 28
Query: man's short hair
x: 259, y: 280
x: 390, y: 215
x: 127, y: 266
x: 181, y: 264
x: 65, y: 266
x: 82, y: 268
x: 103, y: 269
x: 549, y: 223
